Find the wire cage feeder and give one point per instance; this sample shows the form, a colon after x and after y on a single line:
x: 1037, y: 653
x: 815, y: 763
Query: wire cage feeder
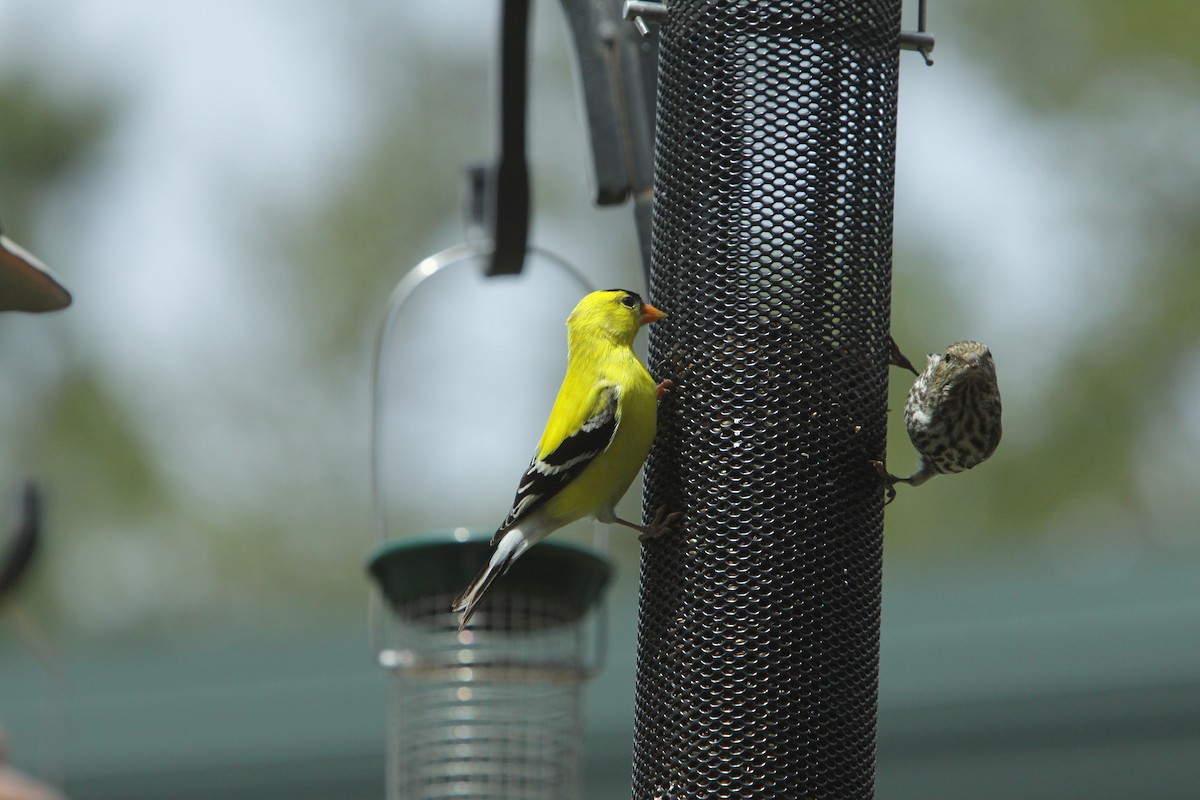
x: 493, y: 711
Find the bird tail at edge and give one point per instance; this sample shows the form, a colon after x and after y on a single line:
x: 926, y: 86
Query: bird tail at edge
x: 510, y: 547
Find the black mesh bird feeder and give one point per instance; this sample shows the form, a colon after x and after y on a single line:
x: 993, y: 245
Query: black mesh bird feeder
x: 758, y: 638
x: 493, y: 712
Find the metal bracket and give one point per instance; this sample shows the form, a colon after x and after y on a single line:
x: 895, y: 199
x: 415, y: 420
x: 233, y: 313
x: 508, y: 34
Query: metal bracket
x: 920, y: 40
x: 619, y: 75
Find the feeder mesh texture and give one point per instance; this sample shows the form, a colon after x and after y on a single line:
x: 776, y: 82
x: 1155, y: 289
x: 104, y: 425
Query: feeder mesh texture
x: 492, y: 713
x: 758, y: 637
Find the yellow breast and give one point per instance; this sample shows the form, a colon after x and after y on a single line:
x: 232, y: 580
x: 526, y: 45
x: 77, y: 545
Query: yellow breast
x: 607, y: 478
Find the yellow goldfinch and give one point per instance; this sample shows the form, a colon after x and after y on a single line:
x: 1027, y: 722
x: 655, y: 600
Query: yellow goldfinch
x: 599, y: 433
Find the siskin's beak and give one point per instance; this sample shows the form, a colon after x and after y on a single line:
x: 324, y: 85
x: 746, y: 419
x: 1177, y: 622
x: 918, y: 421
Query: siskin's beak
x: 973, y: 360
x: 651, y: 314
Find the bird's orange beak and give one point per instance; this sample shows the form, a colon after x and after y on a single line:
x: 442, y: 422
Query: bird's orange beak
x: 651, y: 314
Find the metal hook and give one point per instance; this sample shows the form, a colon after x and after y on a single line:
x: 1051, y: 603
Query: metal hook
x: 920, y: 40
x: 644, y: 14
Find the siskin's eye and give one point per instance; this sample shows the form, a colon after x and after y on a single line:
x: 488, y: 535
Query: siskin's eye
x: 629, y: 301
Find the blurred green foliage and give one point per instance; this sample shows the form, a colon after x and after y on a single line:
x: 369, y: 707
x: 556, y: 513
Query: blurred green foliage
x: 1067, y: 57
x: 46, y: 136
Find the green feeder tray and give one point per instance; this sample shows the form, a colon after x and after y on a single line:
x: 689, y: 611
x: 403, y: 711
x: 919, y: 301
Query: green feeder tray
x: 443, y: 563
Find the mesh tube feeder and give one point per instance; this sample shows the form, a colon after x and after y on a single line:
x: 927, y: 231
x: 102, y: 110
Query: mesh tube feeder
x: 758, y: 636
x: 493, y: 712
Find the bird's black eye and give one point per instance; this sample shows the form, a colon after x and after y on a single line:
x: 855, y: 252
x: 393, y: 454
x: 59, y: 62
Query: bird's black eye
x: 629, y: 301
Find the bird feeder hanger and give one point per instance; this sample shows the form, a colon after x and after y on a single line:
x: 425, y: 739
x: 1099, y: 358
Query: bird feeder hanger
x: 617, y: 69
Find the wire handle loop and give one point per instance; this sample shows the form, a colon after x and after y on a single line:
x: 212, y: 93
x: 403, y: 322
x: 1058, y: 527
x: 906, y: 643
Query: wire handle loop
x: 426, y: 268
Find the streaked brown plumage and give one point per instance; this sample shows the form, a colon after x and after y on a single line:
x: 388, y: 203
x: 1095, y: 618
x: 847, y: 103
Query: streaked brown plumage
x: 953, y: 412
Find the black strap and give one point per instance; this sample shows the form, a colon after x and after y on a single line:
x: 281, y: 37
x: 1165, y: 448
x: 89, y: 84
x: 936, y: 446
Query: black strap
x: 509, y: 189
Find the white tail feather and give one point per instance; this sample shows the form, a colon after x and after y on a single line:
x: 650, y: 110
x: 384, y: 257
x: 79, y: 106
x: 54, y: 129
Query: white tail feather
x: 510, y: 547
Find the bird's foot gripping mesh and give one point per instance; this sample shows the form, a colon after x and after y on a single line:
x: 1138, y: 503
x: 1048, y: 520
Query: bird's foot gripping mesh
x: 759, y: 621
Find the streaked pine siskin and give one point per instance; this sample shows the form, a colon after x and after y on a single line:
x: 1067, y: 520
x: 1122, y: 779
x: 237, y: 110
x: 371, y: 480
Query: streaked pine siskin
x: 952, y: 413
